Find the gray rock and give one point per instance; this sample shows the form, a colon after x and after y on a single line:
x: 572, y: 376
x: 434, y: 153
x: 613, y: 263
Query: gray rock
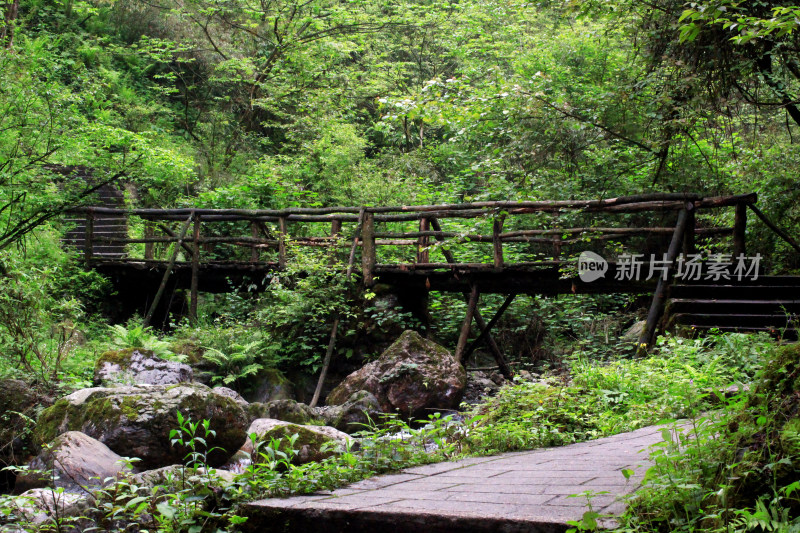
x: 136, y: 421
x: 139, y: 367
x: 173, y: 474
x: 479, y: 386
x: 40, y: 507
x: 232, y: 394
x: 314, y: 443
x: 413, y: 376
x: 633, y: 333
x: 291, y: 411
x: 77, y: 461
x: 361, y: 410
x: 269, y: 385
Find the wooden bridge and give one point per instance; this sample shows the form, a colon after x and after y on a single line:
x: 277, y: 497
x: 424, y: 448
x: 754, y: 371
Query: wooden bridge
x: 481, y: 247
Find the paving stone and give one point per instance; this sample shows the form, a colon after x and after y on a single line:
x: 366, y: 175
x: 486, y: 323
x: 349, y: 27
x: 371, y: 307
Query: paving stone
x: 519, y: 492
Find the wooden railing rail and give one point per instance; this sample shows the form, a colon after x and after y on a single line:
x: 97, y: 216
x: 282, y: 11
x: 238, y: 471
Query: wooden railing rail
x: 268, y: 234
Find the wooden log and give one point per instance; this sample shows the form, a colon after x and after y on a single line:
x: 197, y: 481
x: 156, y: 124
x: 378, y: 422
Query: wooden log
x: 168, y: 231
x: 689, y: 247
x: 497, y: 243
x: 336, y: 228
x: 88, y: 242
x: 254, y: 232
x: 282, y: 242
x: 195, y: 271
x: 726, y: 201
x: 659, y: 297
x: 326, y: 363
x: 782, y: 234
x: 368, y: 252
x: 647, y: 201
x: 149, y: 232
x: 485, y: 335
x: 463, y: 336
x: 422, y: 243
x: 557, y: 243
x: 162, y: 287
x: 739, y: 230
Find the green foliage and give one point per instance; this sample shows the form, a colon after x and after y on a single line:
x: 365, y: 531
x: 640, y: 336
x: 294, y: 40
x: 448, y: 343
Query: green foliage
x: 135, y: 335
x: 600, y: 399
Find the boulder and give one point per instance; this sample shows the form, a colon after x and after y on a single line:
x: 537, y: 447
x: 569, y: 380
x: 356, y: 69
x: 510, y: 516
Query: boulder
x: 52, y: 510
x: 479, y: 386
x: 139, y: 367
x: 355, y: 414
x: 19, y: 403
x: 633, y: 333
x: 173, y: 474
x: 135, y: 421
x: 232, y: 394
x: 314, y: 443
x: 412, y: 376
x: 291, y: 411
x: 268, y: 385
x: 77, y: 461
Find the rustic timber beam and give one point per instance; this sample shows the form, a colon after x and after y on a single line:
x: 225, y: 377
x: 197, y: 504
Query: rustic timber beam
x: 659, y: 296
x: 486, y: 330
x: 782, y: 234
x: 472, y: 304
x: 162, y: 287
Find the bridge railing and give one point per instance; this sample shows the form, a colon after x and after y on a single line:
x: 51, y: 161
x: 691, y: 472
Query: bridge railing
x: 487, y: 235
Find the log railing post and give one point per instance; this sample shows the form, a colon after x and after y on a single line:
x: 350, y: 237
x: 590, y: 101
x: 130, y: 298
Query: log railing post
x: 368, y: 253
x: 739, y: 230
x: 497, y: 242
x: 689, y: 247
x: 557, y: 247
x: 423, y: 255
x: 88, y: 242
x: 254, y: 233
x: 282, y: 243
x: 149, y: 233
x: 195, y: 269
x: 336, y: 227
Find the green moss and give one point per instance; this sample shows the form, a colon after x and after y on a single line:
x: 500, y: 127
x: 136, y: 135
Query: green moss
x: 47, y: 426
x: 118, y: 357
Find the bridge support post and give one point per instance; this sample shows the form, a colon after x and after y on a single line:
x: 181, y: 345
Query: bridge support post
x: 472, y: 304
x: 660, y: 295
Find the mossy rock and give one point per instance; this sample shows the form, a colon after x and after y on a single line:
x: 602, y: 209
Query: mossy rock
x: 268, y: 385
x: 314, y: 443
x: 413, y: 376
x: 135, y: 421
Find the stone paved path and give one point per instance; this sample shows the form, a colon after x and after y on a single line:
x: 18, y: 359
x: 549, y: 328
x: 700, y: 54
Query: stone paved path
x: 513, y: 492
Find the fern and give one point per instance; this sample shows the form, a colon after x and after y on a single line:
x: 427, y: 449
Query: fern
x: 138, y: 336
x: 239, y: 362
